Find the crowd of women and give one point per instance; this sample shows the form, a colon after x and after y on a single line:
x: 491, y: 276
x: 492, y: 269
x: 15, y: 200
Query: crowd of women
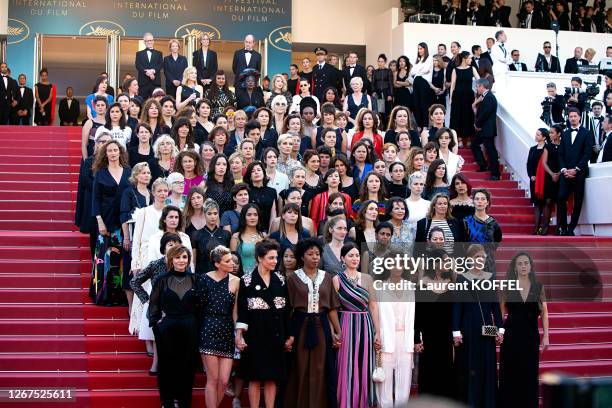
x: 248, y: 235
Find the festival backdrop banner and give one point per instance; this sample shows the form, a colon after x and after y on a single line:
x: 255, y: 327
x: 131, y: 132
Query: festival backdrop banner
x: 222, y: 19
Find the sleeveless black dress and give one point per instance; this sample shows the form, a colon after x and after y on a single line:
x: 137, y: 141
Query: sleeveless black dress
x: 462, y: 115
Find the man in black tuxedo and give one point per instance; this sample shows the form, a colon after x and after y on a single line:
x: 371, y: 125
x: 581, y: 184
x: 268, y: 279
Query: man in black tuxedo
x: 453, y: 13
x: 476, y: 15
x: 8, y: 91
x: 605, y: 154
x: 487, y: 54
x: 547, y: 62
x: 572, y: 64
x: 574, y: 154
x: 22, y: 111
x: 486, y: 128
x: 69, y: 109
x: 529, y: 17
x: 149, y: 63
x: 517, y: 65
x: 352, y: 70
x: 246, y: 58
x: 482, y: 65
x: 323, y: 74
x: 205, y: 61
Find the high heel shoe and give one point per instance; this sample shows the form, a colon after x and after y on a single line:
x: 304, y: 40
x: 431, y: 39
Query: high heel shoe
x: 536, y: 230
x: 544, y: 230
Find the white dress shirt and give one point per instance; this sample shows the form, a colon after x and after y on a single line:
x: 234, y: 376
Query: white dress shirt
x: 247, y: 56
x: 600, y: 155
x: 423, y: 69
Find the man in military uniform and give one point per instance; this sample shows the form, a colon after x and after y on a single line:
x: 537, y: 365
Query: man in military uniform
x: 323, y: 74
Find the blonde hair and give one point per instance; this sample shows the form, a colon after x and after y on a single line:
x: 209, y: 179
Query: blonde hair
x: 282, y: 138
x: 284, y: 89
x: 240, y: 112
x: 136, y: 170
x: 157, y: 143
x: 172, y: 41
x: 186, y: 73
x: 236, y: 155
x: 589, y: 51
x: 158, y: 182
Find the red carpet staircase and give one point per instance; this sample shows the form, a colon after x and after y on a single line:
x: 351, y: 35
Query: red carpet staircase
x: 51, y: 336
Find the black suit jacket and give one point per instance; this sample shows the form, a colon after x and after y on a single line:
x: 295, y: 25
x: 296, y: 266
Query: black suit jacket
x: 26, y: 102
x: 143, y: 63
x: 502, y: 15
x: 69, y: 115
x: 576, y: 154
x: 323, y: 78
x: 208, y: 71
x: 8, y: 94
x: 486, y: 116
x: 243, y: 100
x: 607, y: 151
x: 173, y: 70
x: 460, y: 16
x: 571, y: 65
x: 486, y: 55
x: 512, y: 67
x: 359, y: 71
x: 239, y: 63
x: 541, y: 64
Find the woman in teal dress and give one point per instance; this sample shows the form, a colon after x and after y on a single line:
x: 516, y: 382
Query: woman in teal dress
x: 249, y: 233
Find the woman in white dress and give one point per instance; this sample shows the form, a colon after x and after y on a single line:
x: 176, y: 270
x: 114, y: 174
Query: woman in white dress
x: 453, y: 161
x: 147, y: 223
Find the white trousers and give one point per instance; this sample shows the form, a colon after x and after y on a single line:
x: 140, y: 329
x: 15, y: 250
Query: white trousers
x: 398, y: 371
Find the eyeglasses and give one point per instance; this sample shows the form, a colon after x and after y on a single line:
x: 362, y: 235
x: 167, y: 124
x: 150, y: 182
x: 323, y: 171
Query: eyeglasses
x: 280, y: 104
x: 547, y: 46
x: 179, y: 182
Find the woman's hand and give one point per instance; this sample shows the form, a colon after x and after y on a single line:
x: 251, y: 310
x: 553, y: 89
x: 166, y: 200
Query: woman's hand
x: 555, y: 177
x: 457, y: 341
x: 289, y: 343
x: 499, y: 339
x: 545, y: 343
x: 377, y: 342
x: 127, y: 244
x: 418, y: 348
x: 240, y: 343
x: 102, y: 228
x: 336, y: 340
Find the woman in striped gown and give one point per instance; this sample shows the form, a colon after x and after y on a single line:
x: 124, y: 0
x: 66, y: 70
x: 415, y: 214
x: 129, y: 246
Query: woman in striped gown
x: 360, y: 333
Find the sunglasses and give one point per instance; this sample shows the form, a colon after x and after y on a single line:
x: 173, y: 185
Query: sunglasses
x: 547, y: 46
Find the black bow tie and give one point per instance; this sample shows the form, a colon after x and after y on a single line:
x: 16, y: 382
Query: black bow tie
x: 4, y: 76
x: 574, y: 129
x: 150, y: 49
x: 22, y: 86
x: 351, y: 66
x: 599, y: 118
x: 476, y: 58
x: 247, y: 52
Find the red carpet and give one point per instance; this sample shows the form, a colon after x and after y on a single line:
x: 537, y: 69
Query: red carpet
x: 52, y: 337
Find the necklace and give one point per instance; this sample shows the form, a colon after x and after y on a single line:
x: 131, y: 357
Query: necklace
x: 180, y: 281
x: 353, y: 280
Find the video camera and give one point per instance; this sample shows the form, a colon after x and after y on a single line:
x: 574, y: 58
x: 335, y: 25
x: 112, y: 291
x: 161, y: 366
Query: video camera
x: 591, y: 90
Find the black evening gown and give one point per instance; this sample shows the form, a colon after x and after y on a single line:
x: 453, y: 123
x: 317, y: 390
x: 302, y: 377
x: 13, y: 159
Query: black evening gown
x: 520, y: 351
x: 44, y: 90
x: 551, y: 189
x: 533, y: 159
x: 462, y: 115
x: 436, y: 361
x: 437, y: 80
x: 178, y: 298
x: 82, y: 213
x: 460, y: 211
x: 476, y: 357
x: 402, y: 96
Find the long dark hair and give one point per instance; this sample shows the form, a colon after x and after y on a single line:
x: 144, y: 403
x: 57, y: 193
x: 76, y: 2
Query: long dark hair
x: 179, y: 123
x: 431, y: 173
x: 213, y: 91
x: 408, y: 64
x: 212, y: 182
x: 242, y: 220
x: 512, y: 275
x: 425, y: 54
x: 107, y: 117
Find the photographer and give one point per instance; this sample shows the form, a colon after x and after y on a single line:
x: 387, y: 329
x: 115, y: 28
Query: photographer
x: 499, y: 14
x: 552, y: 106
x: 529, y: 17
x: 575, y: 97
x: 476, y: 15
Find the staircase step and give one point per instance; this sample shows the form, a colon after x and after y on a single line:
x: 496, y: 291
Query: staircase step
x: 579, y: 335
x: 43, y: 296
x: 559, y: 353
x: 29, y: 266
x: 65, y: 327
x: 43, y: 238
x: 40, y: 195
x: 60, y: 311
x: 579, y: 307
x: 44, y: 281
x: 37, y: 225
x: 36, y: 167
x: 49, y: 254
x: 587, y: 368
x: 39, y: 205
x: 39, y: 159
x: 36, y: 215
x: 61, y: 176
x: 71, y: 344
x: 39, y: 185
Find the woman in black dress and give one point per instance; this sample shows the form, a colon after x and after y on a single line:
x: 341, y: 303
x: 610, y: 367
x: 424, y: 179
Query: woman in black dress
x: 461, y: 201
x: 219, y: 95
x: 259, y: 192
x: 437, y: 81
x: 111, y: 174
x: 82, y: 213
x: 219, y: 314
x: 402, y: 95
x: 462, y: 96
x: 520, y: 351
x: 174, y: 67
x: 550, y: 162
x: 432, y: 331
x: 210, y: 236
x: 220, y: 182
x: 44, y: 93
x: 174, y: 310
x: 263, y: 326
x: 475, y: 353
x: 536, y: 184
